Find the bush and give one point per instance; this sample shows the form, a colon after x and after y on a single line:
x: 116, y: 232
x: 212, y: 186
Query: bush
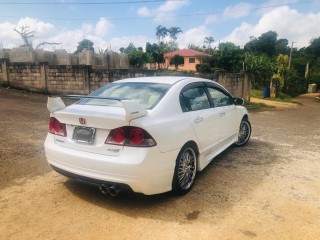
x: 294, y: 84
x: 203, y: 68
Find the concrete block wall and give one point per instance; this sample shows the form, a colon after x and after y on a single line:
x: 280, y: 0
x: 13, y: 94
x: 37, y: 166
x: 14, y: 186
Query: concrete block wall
x: 83, y: 79
x: 22, y: 55
x: 237, y: 84
x: 67, y: 79
x: 26, y: 76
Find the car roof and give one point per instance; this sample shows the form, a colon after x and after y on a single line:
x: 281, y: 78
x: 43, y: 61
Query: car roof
x: 162, y: 79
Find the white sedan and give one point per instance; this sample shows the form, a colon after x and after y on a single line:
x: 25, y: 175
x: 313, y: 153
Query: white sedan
x: 148, y: 135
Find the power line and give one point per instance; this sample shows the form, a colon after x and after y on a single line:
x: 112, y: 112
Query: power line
x: 88, y: 3
x: 168, y: 16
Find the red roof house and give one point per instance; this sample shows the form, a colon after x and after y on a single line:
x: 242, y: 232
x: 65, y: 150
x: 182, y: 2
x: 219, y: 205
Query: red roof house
x: 191, y: 59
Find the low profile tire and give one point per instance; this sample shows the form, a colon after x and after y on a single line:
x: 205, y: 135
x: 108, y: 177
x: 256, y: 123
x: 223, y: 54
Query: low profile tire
x: 185, y: 170
x: 244, y: 133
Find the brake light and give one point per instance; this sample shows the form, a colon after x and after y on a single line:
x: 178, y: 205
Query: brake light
x: 57, y: 128
x: 130, y: 136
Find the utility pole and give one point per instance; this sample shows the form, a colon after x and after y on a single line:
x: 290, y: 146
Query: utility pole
x: 290, y: 54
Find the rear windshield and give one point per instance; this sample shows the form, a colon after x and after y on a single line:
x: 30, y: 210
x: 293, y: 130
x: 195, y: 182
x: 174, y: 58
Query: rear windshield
x: 146, y: 94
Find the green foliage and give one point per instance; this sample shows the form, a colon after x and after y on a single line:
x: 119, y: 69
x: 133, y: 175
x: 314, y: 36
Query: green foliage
x: 84, y: 44
x: 260, y: 67
x: 228, y: 56
x: 162, y: 32
x: 138, y: 59
x: 266, y: 43
x: 294, y: 84
x: 131, y: 48
x: 197, y: 48
x: 257, y: 106
x: 203, y: 68
x: 176, y: 60
x: 173, y: 32
x: 156, y: 51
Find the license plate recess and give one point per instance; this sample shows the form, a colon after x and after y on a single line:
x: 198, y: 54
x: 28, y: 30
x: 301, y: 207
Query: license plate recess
x: 84, y: 135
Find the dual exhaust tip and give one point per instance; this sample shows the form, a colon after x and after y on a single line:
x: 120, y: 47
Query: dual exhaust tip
x: 112, y: 190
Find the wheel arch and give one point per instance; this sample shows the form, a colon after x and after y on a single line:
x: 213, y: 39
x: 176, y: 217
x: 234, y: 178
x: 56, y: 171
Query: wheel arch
x: 196, y: 148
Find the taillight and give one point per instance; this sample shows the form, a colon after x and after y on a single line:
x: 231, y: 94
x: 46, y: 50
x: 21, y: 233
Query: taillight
x: 130, y: 136
x: 57, y: 128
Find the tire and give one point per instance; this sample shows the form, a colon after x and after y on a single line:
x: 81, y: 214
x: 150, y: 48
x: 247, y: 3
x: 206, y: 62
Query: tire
x: 185, y: 170
x: 244, y: 133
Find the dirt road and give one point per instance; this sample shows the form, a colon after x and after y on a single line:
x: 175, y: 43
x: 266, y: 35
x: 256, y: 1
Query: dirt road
x: 267, y: 190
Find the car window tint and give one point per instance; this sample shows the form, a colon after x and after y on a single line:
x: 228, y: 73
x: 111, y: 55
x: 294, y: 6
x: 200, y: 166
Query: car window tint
x: 195, y: 99
x: 219, y: 98
x: 146, y: 94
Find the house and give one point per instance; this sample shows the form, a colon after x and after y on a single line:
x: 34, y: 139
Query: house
x: 191, y: 59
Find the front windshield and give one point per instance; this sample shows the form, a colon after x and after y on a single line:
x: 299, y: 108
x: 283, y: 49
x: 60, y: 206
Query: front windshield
x: 146, y: 94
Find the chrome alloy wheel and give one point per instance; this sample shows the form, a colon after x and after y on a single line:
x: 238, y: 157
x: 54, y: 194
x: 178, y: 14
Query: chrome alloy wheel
x: 187, y: 168
x: 244, y: 133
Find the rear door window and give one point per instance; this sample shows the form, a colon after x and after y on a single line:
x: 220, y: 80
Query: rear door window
x: 193, y: 99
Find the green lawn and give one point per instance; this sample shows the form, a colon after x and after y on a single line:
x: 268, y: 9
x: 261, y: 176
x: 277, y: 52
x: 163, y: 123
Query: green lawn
x: 257, y: 93
x: 256, y: 106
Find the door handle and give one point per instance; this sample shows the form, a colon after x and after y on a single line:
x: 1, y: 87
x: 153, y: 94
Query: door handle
x: 198, y: 120
x: 222, y: 114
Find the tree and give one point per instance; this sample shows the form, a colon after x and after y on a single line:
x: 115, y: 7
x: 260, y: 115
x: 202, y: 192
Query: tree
x: 260, y: 68
x: 228, y: 56
x: 176, y: 60
x: 85, y: 44
x: 27, y: 34
x: 138, y: 59
x: 266, y: 43
x: 156, y: 52
x: 129, y: 49
x: 173, y: 32
x: 208, y: 40
x: 161, y: 33
x: 282, y: 46
x: 197, y: 48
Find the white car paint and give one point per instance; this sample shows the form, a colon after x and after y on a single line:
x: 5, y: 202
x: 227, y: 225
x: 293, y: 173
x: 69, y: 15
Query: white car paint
x: 148, y: 170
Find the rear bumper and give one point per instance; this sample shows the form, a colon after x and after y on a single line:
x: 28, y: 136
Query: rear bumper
x: 144, y: 170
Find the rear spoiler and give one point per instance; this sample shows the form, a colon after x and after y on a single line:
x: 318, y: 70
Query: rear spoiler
x: 132, y: 108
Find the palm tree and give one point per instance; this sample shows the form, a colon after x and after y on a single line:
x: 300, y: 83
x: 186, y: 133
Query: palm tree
x: 161, y: 32
x: 208, y: 40
x: 174, y: 31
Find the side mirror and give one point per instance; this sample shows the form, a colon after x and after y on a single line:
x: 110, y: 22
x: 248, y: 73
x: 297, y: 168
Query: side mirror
x: 238, y: 101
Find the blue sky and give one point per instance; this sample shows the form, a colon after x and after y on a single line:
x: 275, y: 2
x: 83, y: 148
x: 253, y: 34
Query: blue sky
x: 113, y: 25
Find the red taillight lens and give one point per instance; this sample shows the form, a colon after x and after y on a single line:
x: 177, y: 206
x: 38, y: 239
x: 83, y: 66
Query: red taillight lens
x: 136, y: 136
x: 130, y: 136
x: 117, y: 136
x: 57, y: 128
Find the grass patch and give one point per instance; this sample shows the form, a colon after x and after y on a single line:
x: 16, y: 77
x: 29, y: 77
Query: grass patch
x: 257, y: 93
x: 257, y: 106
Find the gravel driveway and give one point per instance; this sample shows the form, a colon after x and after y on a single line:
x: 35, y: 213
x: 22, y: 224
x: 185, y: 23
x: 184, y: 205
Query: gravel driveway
x: 269, y: 189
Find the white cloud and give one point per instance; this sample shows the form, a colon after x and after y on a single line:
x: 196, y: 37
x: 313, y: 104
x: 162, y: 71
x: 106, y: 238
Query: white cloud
x: 288, y: 23
x: 144, y: 12
x: 138, y: 41
x: 267, y: 6
x: 103, y: 27
x: 42, y: 29
x: 10, y: 38
x: 236, y: 11
x: 164, y: 12
x: 193, y: 36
